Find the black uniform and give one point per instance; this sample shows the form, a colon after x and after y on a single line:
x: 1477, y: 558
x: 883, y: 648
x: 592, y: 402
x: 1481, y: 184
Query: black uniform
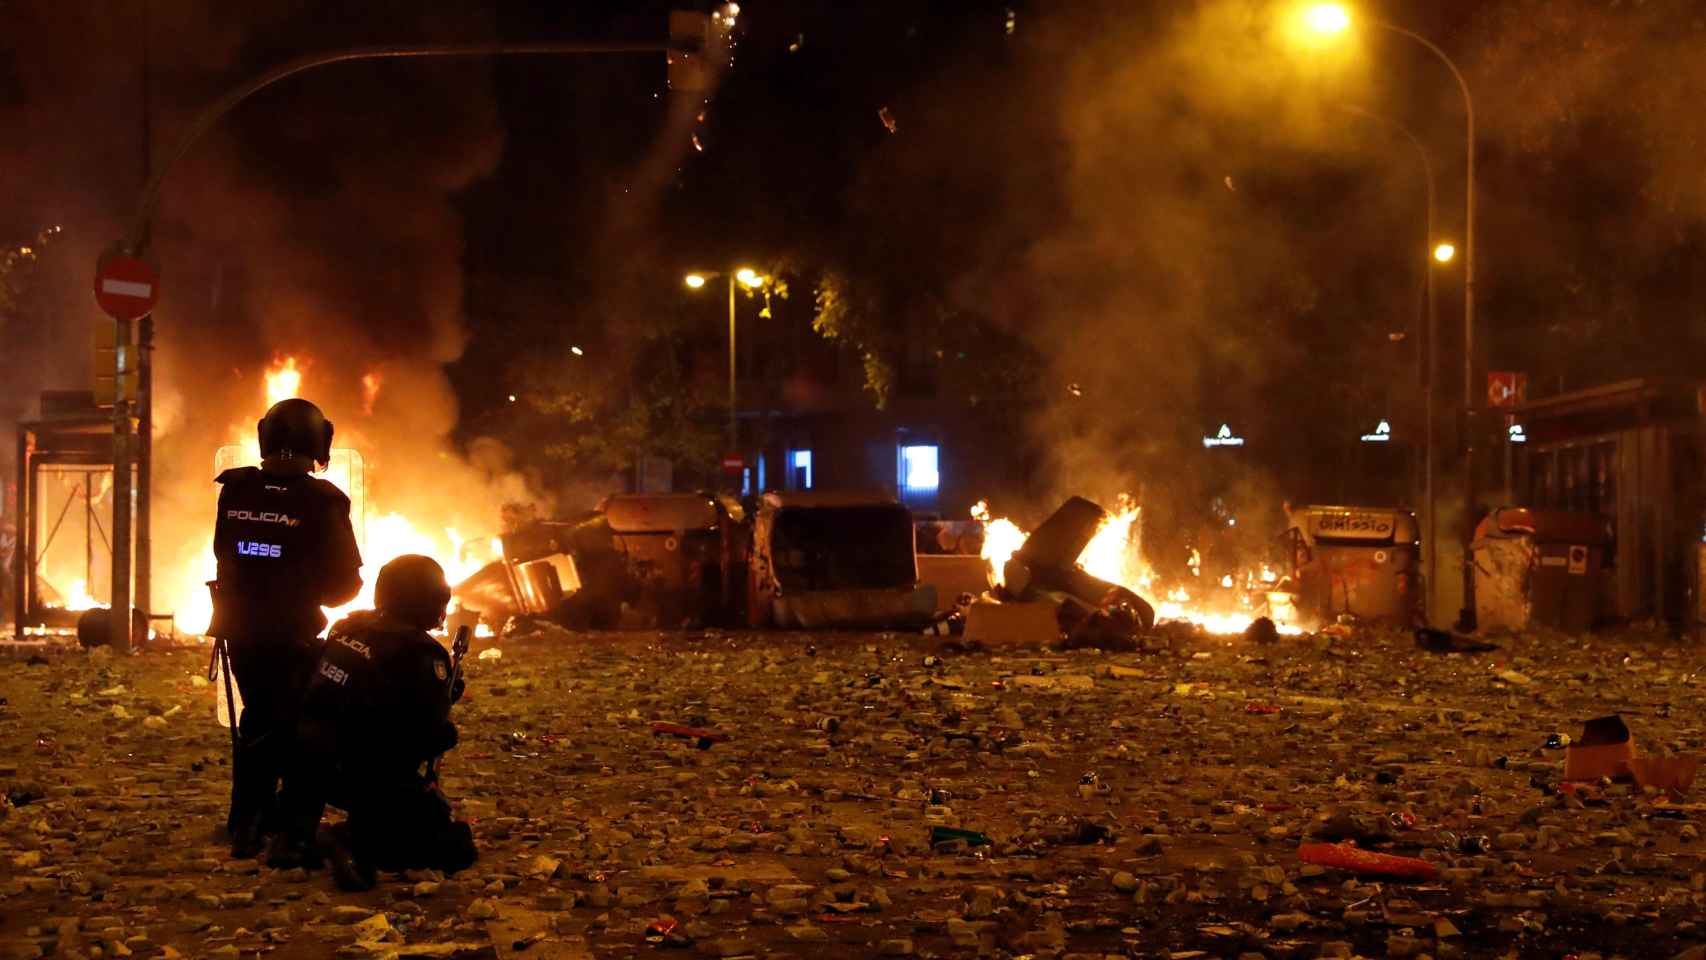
x: 285, y: 548
x: 377, y: 711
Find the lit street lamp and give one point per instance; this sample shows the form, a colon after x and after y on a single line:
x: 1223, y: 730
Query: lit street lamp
x: 1444, y: 252
x: 1327, y: 19
x: 752, y: 280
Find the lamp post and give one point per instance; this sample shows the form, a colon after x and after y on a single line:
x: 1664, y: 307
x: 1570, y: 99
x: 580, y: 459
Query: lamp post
x: 141, y: 234
x: 752, y: 280
x: 1441, y: 253
x: 1333, y: 18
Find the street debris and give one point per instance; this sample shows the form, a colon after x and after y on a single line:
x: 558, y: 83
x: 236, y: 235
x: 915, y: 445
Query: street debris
x: 1444, y: 641
x: 1208, y: 798
x: 1603, y: 751
x: 1347, y: 857
x: 702, y: 738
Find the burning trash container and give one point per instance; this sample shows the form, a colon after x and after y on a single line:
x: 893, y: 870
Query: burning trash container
x: 1540, y: 568
x: 835, y: 560
x: 1361, y: 561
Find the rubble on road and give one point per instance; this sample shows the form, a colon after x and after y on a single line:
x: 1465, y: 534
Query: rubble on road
x: 875, y: 795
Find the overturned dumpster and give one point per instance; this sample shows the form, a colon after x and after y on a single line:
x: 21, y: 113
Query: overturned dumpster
x: 835, y: 560
x: 1046, y: 596
x: 639, y: 560
x: 1540, y: 568
x: 514, y: 587
x: 684, y: 553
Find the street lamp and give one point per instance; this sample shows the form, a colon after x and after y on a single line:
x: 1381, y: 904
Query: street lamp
x: 1327, y: 19
x: 1444, y: 252
x: 752, y: 280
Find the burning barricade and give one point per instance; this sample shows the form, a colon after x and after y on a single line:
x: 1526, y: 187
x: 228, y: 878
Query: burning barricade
x: 801, y: 561
x: 1079, y: 580
x: 1040, y: 586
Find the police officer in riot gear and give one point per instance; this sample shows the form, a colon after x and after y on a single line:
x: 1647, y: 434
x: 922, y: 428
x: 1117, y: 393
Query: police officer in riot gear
x: 285, y: 548
x: 376, y: 713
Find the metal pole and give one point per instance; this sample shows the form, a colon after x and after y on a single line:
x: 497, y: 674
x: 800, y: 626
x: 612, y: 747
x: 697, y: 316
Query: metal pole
x: 120, y: 619
x: 1469, y: 510
x: 23, y: 550
x: 1431, y: 374
x: 145, y: 387
x: 1429, y: 393
x: 86, y: 488
x: 145, y: 466
x: 143, y: 224
x: 733, y: 422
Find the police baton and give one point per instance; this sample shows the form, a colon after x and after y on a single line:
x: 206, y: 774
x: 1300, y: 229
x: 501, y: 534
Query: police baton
x: 221, y: 661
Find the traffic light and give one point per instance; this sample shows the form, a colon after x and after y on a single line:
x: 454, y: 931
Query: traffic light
x: 110, y: 357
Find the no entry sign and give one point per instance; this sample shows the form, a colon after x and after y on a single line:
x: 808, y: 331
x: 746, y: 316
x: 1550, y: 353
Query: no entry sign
x: 126, y: 287
x: 734, y: 463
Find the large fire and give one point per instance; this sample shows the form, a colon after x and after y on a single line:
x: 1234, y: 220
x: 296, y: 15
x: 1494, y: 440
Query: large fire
x: 1115, y: 554
x: 386, y: 535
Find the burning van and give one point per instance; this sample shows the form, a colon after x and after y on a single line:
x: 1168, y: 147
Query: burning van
x: 835, y: 560
x: 1361, y: 561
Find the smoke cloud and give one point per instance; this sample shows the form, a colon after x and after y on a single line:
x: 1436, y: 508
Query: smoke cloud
x: 318, y: 222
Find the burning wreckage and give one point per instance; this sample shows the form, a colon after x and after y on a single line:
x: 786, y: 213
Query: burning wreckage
x: 817, y: 560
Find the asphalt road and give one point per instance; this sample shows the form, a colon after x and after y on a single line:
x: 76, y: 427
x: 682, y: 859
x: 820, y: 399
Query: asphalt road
x: 1135, y: 805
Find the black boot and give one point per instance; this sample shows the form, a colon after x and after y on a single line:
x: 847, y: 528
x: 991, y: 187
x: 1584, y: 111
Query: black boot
x: 351, y: 873
x: 285, y: 852
x: 247, y: 840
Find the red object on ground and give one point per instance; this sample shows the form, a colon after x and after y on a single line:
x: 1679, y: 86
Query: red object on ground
x: 1343, y: 856
x: 662, y: 927
x: 1261, y: 708
x: 661, y: 729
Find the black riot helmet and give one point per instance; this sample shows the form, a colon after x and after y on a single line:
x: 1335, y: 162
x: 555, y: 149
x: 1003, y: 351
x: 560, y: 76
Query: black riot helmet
x: 412, y: 589
x: 296, y: 428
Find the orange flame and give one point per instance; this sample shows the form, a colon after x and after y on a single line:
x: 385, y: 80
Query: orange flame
x: 386, y: 536
x: 369, y: 392
x: 284, y: 380
x: 1114, y: 554
x: 1001, y: 538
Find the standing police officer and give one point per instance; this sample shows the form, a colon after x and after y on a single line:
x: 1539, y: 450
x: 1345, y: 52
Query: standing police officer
x: 377, y: 711
x: 285, y: 548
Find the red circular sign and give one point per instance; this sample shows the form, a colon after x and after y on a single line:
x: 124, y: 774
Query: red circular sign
x: 126, y: 287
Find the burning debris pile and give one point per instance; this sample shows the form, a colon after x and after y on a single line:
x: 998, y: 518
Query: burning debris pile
x: 1083, y: 574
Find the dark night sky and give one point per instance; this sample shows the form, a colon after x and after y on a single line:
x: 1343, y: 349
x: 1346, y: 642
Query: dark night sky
x: 1146, y: 195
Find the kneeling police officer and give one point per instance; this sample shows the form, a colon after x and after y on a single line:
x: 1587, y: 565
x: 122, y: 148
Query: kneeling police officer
x: 377, y: 711
x: 285, y: 548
